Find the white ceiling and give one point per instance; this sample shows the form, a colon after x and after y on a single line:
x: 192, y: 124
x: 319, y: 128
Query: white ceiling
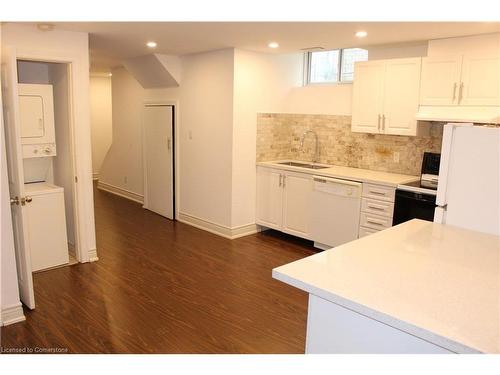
x: 112, y: 42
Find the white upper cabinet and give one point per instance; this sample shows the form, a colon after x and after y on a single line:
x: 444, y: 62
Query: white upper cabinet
x: 402, y: 85
x: 480, y: 83
x: 386, y: 96
x: 368, y: 93
x: 440, y: 80
x: 465, y: 80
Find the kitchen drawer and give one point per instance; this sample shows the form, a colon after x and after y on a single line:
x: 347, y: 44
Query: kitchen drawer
x: 363, y: 232
x: 379, y: 192
x: 375, y: 221
x: 377, y: 207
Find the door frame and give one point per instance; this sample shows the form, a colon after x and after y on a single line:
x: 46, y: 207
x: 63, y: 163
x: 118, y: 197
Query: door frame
x: 85, y: 250
x: 175, y: 149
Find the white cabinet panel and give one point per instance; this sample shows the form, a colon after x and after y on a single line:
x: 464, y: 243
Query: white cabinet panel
x: 368, y: 92
x: 440, y: 80
x: 297, y: 204
x: 269, y: 197
x: 401, y: 96
x: 480, y: 84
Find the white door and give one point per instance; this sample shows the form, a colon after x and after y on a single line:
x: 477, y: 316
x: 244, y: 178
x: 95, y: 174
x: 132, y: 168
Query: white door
x: 158, y: 160
x: 401, y: 96
x: 269, y: 197
x: 16, y: 179
x: 440, y: 80
x: 480, y: 81
x: 367, y: 98
x: 297, y: 190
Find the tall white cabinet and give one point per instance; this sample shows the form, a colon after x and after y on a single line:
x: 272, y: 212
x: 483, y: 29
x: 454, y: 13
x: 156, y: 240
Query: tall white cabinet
x: 386, y: 96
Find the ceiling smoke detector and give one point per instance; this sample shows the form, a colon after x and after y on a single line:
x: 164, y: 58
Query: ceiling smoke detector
x: 45, y: 26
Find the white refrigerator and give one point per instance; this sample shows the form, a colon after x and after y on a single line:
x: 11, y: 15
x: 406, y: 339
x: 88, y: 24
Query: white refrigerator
x: 468, y: 194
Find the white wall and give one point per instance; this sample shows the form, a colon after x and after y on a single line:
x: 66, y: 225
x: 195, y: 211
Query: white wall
x: 100, y: 119
x: 262, y: 83
x: 205, y: 99
x: 205, y: 134
x: 9, y: 291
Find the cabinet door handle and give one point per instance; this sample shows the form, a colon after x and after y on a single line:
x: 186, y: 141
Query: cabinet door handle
x: 281, y: 177
x: 383, y: 122
x: 284, y: 180
x: 374, y: 222
x: 454, y: 91
x: 460, y: 92
x: 378, y: 122
x: 376, y: 208
x: 376, y: 192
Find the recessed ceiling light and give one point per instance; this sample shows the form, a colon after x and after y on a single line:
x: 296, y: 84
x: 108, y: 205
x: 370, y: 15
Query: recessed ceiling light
x: 273, y: 45
x: 361, y: 34
x: 151, y: 44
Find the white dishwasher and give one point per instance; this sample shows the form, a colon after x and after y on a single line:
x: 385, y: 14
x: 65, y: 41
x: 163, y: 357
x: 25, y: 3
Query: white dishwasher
x: 336, y: 205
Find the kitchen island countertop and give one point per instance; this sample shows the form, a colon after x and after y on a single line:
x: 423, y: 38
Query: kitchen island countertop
x: 437, y: 282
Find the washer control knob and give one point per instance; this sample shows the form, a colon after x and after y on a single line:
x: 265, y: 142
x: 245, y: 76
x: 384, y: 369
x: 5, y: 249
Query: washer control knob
x: 47, y: 150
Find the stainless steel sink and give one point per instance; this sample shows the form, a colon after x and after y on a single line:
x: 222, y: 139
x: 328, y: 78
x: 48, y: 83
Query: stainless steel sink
x: 303, y: 165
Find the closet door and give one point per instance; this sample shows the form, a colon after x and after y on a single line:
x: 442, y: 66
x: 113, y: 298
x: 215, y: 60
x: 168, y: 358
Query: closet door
x: 18, y: 200
x: 367, y: 98
x: 158, y: 160
x: 401, y: 95
x: 480, y: 81
x: 440, y: 80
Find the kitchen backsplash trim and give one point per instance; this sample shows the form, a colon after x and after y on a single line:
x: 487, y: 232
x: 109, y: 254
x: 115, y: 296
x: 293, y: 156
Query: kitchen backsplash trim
x: 279, y: 134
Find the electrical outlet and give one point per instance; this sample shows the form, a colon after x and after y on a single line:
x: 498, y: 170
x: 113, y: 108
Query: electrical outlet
x: 395, y: 157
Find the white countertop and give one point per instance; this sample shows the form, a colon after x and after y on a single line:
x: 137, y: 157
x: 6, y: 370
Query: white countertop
x: 437, y: 282
x: 348, y: 173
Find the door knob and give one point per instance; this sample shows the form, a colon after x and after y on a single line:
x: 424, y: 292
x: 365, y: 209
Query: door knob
x: 25, y: 200
x: 14, y: 200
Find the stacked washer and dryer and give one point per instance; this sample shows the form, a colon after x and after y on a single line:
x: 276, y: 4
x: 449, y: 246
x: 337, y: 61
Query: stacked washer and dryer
x: 46, y: 219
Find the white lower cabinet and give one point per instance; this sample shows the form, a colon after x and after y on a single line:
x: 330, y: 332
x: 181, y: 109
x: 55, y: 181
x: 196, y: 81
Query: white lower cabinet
x: 283, y: 200
x: 377, y: 209
x: 297, y: 190
x: 269, y: 208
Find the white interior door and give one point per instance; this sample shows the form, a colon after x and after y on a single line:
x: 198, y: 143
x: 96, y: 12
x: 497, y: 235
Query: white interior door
x: 16, y: 179
x: 158, y: 160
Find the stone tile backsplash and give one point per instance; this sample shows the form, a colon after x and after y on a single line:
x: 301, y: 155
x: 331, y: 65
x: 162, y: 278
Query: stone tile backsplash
x: 278, y: 137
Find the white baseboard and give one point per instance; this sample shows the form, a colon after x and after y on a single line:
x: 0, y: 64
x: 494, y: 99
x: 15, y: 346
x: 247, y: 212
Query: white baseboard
x: 120, y: 192
x: 93, y: 255
x: 95, y: 176
x: 12, y: 314
x: 221, y: 230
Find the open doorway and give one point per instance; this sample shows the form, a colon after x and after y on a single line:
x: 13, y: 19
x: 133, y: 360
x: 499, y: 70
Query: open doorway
x: 48, y: 162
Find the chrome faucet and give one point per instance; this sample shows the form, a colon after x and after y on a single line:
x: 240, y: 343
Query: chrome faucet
x: 316, y: 154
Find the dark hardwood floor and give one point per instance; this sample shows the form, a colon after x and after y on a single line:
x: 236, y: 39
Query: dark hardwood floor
x: 166, y: 287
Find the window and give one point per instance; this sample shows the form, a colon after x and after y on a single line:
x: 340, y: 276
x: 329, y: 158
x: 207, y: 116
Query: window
x: 334, y: 66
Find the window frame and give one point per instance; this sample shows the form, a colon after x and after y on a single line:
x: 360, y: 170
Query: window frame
x: 307, y: 71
